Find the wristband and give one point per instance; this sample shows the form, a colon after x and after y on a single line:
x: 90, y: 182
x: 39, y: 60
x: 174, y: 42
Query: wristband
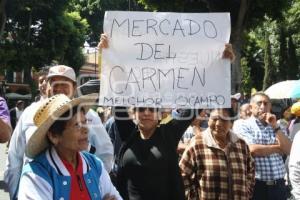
x: 277, y: 129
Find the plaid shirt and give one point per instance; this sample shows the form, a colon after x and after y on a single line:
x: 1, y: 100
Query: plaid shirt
x: 267, y: 168
x: 210, y: 172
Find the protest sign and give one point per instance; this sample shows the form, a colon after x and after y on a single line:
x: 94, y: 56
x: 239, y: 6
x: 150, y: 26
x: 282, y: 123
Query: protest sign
x: 159, y: 59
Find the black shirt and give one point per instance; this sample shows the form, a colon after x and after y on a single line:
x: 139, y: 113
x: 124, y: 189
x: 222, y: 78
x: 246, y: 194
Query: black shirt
x: 148, y: 169
x: 146, y: 164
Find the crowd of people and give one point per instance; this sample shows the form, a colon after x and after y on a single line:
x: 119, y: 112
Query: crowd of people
x: 62, y: 147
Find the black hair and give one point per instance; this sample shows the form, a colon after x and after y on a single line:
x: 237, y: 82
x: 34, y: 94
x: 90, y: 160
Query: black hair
x: 142, y: 109
x: 230, y: 112
x: 198, y: 111
x: 43, y: 71
x: 59, y: 125
x: 281, y: 114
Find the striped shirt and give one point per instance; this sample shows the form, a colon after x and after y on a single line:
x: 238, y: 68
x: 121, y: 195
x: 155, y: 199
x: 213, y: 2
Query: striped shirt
x: 267, y: 168
x: 210, y: 172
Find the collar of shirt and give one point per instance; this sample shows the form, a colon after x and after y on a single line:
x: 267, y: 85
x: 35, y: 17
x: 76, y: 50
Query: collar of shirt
x: 70, y: 167
x: 78, y: 187
x: 209, y: 140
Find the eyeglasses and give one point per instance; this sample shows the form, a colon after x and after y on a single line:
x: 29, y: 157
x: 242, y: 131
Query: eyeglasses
x: 80, y: 126
x: 143, y: 109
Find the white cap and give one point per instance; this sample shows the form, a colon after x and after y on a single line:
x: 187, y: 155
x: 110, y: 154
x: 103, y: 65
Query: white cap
x: 62, y: 70
x: 236, y: 96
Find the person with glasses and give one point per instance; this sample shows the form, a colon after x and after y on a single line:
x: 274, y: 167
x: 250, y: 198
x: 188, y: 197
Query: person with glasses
x: 267, y: 144
x: 61, y: 79
x: 147, y: 160
x: 61, y: 169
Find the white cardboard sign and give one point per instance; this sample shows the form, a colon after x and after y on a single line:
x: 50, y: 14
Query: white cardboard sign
x: 158, y: 59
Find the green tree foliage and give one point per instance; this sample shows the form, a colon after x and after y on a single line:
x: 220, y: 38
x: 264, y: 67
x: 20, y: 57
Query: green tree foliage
x: 292, y: 60
x: 284, y: 37
x: 246, y: 85
x: 293, y: 17
x: 177, y: 5
x: 269, y: 67
x: 2, y: 16
x: 277, y: 34
x: 292, y: 22
x: 245, y: 14
x: 34, y: 33
x: 64, y: 36
x: 283, y: 53
x: 37, y: 32
x: 253, y: 52
x: 93, y: 11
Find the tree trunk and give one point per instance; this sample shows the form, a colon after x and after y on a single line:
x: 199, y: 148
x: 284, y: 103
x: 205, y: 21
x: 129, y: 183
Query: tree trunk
x: 283, y: 60
x: 292, y: 62
x: 29, y: 28
x: 236, y: 76
x: 237, y: 42
x: 2, y: 17
x: 269, y: 77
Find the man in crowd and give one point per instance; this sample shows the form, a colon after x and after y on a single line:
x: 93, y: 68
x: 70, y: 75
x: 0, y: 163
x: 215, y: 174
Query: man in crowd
x: 60, y: 80
x: 42, y: 84
x: 235, y: 102
x: 267, y: 144
x: 245, y: 111
x: 15, y: 113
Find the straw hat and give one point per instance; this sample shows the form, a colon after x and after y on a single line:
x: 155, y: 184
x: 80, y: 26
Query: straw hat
x: 295, y: 109
x: 51, y: 109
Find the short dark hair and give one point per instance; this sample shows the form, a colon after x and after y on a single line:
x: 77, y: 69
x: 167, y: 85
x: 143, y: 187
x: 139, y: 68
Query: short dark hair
x: 19, y: 102
x: 259, y: 94
x: 43, y: 71
x: 230, y: 112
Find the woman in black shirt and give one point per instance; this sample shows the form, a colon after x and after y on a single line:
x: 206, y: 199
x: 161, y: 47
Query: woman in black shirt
x: 148, y: 162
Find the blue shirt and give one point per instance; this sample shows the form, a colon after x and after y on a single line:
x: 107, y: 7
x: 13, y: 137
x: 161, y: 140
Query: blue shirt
x: 47, y: 178
x: 269, y: 167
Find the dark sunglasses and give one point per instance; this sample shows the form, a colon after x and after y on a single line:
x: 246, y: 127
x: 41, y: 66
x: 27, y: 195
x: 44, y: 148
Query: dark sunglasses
x: 143, y: 109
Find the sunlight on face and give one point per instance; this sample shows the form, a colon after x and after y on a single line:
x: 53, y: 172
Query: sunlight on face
x: 219, y: 122
x: 75, y: 136
x: 260, y: 105
x: 60, y: 85
x: 42, y: 83
x: 147, y: 118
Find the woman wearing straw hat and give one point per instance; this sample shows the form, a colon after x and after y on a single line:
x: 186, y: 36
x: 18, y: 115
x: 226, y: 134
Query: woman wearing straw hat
x: 59, y: 169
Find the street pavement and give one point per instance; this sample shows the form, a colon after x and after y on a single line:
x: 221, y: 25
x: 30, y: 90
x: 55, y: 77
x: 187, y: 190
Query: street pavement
x: 3, y: 192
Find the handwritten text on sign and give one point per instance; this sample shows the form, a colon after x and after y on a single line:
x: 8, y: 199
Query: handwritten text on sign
x: 165, y: 60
